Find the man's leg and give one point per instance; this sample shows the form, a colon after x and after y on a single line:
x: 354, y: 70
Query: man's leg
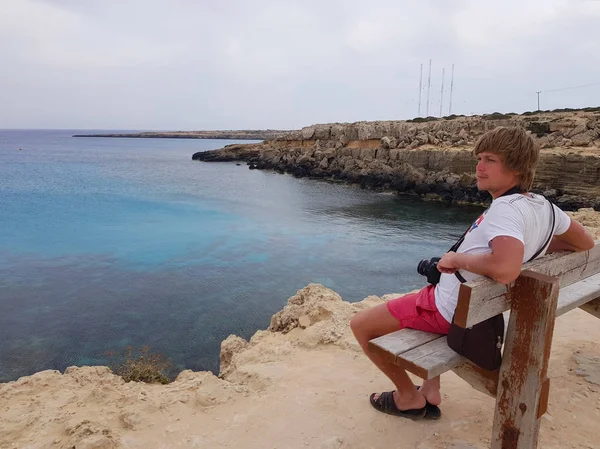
x: 375, y: 322
x: 431, y: 390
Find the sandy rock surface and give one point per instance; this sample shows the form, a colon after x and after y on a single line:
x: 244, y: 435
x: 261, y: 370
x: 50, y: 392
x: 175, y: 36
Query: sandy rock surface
x: 588, y: 218
x: 302, y: 383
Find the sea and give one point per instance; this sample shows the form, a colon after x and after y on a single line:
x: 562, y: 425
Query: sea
x: 110, y: 243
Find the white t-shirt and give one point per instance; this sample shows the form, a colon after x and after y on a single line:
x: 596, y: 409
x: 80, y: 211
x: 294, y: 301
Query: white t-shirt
x: 525, y: 218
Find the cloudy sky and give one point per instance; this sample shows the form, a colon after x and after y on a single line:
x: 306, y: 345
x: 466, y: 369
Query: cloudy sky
x: 208, y: 64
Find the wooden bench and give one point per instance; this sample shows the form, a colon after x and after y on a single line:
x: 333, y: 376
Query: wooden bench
x: 547, y: 287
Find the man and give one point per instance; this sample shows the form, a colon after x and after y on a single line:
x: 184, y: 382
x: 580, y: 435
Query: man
x: 510, y: 232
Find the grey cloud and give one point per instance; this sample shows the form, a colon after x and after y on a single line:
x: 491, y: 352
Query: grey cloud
x: 186, y: 64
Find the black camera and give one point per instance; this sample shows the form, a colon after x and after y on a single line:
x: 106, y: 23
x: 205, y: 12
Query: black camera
x: 428, y: 268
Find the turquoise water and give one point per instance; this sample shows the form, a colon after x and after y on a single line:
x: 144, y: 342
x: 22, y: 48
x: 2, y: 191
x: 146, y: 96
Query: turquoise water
x: 107, y: 243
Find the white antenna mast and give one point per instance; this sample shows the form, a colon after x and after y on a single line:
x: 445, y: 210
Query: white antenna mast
x: 451, y: 89
x: 420, y: 89
x: 442, y: 92
x: 428, y: 88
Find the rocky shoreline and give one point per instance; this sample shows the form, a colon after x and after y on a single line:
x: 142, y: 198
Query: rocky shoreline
x: 229, y: 135
x: 433, y: 159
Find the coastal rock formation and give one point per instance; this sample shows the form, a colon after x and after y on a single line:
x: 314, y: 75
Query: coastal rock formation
x: 433, y: 158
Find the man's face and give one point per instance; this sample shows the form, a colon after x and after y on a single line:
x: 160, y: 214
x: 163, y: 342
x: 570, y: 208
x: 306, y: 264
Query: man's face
x: 492, y: 175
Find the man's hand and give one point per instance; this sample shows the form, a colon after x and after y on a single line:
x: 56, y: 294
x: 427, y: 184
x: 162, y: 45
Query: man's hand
x: 449, y: 263
x: 577, y: 238
x: 503, y: 264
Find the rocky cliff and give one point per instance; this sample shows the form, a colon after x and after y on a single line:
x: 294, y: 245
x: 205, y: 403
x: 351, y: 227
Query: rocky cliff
x: 433, y: 158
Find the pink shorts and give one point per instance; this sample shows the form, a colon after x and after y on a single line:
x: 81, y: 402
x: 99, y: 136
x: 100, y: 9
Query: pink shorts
x: 418, y: 311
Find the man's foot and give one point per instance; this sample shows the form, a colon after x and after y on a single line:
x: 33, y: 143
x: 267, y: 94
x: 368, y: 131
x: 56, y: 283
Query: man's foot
x: 391, y: 403
x: 431, y: 411
x: 432, y: 395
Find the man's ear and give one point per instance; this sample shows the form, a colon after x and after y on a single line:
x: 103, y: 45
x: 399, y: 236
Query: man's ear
x: 518, y: 176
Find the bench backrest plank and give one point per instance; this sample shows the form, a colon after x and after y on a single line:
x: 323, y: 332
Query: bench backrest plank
x: 482, y: 299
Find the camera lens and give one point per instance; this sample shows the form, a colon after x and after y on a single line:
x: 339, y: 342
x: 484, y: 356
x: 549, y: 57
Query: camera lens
x: 423, y: 267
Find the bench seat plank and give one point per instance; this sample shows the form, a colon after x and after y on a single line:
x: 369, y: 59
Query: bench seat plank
x: 399, y: 342
x: 431, y: 359
x: 576, y: 295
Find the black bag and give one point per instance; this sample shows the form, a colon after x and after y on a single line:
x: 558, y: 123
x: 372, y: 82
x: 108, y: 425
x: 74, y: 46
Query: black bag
x: 482, y: 343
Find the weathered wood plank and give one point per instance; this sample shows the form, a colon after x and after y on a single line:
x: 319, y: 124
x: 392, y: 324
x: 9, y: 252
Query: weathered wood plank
x: 436, y: 357
x: 544, y: 396
x: 431, y: 359
x: 485, y: 298
x: 570, y: 297
x: 592, y: 307
x: 382, y: 352
x: 403, y: 340
x: 525, y: 365
x: 482, y: 380
x: 578, y: 294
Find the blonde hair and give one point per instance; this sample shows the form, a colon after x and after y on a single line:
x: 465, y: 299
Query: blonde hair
x: 518, y: 150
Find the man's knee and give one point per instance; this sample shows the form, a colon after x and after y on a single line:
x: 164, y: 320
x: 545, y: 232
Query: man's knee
x: 372, y: 323
x: 358, y: 325
x: 364, y: 327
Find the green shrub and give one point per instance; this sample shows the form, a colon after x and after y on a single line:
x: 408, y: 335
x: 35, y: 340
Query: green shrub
x: 588, y: 109
x: 538, y: 128
x: 563, y: 110
x: 423, y: 119
x: 139, y: 365
x: 495, y: 116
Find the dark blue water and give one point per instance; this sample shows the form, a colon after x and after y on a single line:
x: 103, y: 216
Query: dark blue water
x: 106, y: 243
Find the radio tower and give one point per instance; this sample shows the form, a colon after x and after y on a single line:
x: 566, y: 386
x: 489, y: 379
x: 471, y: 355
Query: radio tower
x: 451, y: 89
x: 428, y: 87
x: 442, y: 92
x: 420, y: 89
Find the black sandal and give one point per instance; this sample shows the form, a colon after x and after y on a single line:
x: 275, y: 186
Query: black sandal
x: 385, y: 404
x: 431, y: 411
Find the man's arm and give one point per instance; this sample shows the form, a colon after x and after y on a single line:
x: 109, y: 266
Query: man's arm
x: 577, y: 238
x: 503, y: 264
x: 505, y: 261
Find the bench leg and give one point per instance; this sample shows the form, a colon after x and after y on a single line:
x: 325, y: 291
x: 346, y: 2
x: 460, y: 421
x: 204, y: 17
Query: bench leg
x: 592, y: 307
x: 482, y: 380
x: 523, y: 384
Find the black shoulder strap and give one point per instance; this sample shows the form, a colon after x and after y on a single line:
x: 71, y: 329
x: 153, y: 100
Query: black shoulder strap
x: 511, y: 191
x: 549, y: 236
